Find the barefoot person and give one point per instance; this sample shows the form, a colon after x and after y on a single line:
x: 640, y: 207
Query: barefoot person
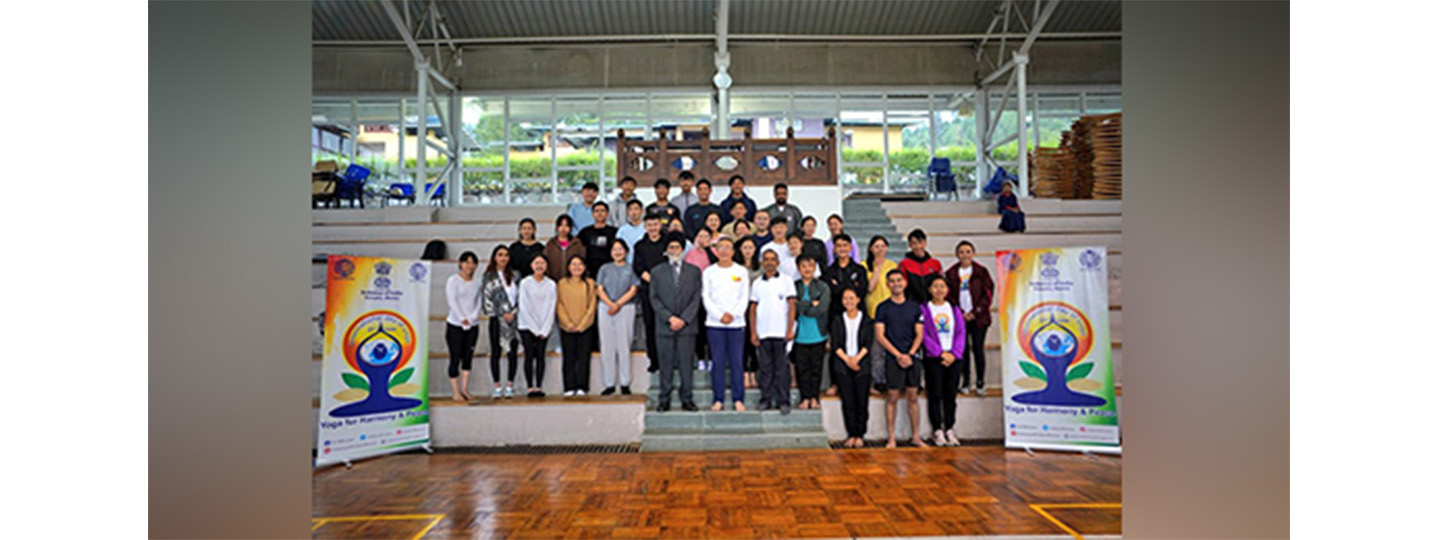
x: 812, y: 324
x: 462, y: 329
x: 897, y: 330
x: 726, y: 295
x: 851, y: 334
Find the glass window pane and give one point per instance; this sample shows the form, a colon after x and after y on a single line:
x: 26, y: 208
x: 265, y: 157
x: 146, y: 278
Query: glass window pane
x: 680, y: 106
x: 483, y: 119
x: 530, y: 108
x: 1102, y: 103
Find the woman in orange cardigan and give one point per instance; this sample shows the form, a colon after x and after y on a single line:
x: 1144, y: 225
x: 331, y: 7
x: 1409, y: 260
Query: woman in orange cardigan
x: 575, y: 312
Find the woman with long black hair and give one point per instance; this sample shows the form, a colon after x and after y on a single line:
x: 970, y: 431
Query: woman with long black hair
x: 525, y: 249
x: 500, y: 290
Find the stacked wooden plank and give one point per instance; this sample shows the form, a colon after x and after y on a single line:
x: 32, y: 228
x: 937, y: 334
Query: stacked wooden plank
x: 1106, y: 166
x: 1077, y: 140
x: 1053, y: 173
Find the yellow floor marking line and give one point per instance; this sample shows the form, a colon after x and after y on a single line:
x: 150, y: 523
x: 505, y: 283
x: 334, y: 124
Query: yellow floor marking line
x: 1040, y: 509
x: 434, y: 520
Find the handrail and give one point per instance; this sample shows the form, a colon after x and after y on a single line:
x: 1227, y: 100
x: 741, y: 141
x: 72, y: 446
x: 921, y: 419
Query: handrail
x: 802, y: 161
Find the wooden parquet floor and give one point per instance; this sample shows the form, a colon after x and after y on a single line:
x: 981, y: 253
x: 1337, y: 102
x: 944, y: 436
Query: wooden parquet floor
x: 770, y: 494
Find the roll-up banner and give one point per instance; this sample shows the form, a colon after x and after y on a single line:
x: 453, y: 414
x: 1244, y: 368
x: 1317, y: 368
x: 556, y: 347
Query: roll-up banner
x: 373, y: 394
x: 1055, y: 331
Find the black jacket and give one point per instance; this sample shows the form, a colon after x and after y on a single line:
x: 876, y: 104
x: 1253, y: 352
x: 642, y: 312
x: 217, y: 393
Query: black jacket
x: 867, y: 338
x: 853, y: 277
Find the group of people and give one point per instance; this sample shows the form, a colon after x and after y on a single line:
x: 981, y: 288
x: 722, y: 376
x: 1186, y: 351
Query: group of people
x: 751, y: 290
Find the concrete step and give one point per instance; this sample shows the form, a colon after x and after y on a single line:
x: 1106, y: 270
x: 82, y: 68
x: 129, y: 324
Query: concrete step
x: 704, y: 397
x: 706, y: 421
x: 985, y: 224
x: 1036, y: 206
x: 726, y: 441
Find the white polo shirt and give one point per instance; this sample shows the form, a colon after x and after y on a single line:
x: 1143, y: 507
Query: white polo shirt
x: 771, y: 305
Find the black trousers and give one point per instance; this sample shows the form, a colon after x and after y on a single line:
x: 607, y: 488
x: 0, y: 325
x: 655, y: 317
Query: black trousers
x: 809, y: 361
x: 940, y: 389
x: 461, y: 344
x: 575, y: 358
x: 752, y: 364
x: 534, y: 358
x: 495, y: 352
x: 677, y: 352
x: 974, y: 348
x: 647, y: 315
x: 774, y: 373
x: 854, y: 390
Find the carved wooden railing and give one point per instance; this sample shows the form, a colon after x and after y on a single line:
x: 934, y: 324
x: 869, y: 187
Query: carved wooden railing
x: 803, y: 162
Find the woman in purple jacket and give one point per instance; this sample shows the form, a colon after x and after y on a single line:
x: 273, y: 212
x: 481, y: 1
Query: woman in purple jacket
x: 943, y: 343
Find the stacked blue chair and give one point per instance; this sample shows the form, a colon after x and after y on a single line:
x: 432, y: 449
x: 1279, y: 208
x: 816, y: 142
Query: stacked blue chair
x: 406, y: 192
x: 352, y: 185
x: 942, y: 177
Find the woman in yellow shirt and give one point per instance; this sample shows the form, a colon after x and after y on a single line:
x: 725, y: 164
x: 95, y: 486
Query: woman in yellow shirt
x: 575, y: 311
x: 879, y: 289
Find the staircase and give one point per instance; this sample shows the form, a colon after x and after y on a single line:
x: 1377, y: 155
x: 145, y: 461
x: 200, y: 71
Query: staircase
x: 865, y: 218
x: 678, y: 430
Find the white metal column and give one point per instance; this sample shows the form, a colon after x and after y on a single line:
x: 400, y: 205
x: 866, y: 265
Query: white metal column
x: 422, y: 125
x: 982, y: 150
x: 457, y: 151
x: 1022, y: 152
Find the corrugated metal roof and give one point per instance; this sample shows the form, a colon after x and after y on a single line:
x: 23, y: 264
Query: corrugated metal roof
x: 346, y: 20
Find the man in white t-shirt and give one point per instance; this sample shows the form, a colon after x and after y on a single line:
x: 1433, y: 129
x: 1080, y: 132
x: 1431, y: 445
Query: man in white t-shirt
x: 726, y: 296
x: 772, y: 325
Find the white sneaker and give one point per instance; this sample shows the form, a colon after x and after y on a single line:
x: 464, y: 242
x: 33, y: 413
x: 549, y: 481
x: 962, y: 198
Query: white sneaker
x: 940, y: 438
x: 950, y: 434
x: 569, y: 393
x: 980, y: 391
x: 965, y: 390
x: 579, y: 392
x: 496, y: 393
x: 509, y: 391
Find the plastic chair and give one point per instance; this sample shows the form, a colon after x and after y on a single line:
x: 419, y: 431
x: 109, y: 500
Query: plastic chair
x: 406, y: 192
x: 943, y: 179
x: 997, y: 180
x: 352, y: 185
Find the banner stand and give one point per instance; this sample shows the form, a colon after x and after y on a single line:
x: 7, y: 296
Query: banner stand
x: 1059, y: 383
x: 351, y: 464
x: 374, y: 376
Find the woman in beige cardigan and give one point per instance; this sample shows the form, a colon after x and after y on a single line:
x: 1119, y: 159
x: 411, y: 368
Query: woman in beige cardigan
x: 575, y: 311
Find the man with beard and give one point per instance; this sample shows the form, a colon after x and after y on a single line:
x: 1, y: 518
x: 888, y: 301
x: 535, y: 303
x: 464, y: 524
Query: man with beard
x: 782, y: 209
x: 675, y: 294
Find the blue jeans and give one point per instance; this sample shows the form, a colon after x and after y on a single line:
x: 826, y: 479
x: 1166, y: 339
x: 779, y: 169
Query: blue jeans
x: 727, y: 348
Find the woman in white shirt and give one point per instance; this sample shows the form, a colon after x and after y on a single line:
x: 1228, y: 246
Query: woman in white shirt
x: 536, y: 319
x: 462, y: 294
x: 851, y: 334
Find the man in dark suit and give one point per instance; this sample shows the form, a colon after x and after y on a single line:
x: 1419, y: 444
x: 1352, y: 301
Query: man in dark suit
x: 675, y: 295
